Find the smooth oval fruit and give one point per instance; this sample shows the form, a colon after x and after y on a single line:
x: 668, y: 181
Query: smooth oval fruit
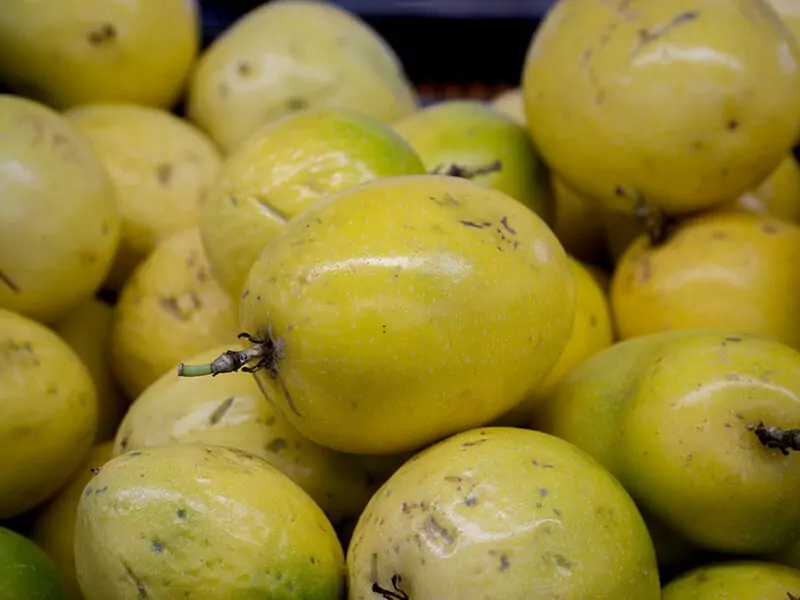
x: 74, y: 52
x: 59, y: 225
x: 87, y: 330
x: 26, y: 573
x: 725, y: 271
x: 232, y: 411
x: 592, y: 331
x: 672, y: 416
x: 735, y: 580
x: 161, y: 167
x: 789, y: 12
x: 284, y: 169
x: 49, y: 408
x: 509, y: 512
x: 577, y: 222
x: 778, y: 195
x: 200, y: 521
x: 290, y: 55
x: 469, y: 134
x: 407, y: 309
x: 511, y: 104
x: 170, y: 308
x: 600, y: 83
x: 54, y: 527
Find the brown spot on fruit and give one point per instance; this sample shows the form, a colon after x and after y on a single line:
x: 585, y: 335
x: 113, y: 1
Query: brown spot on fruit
x: 732, y: 125
x: 104, y: 33
x: 219, y: 412
x: 276, y: 445
x: 5, y: 278
x: 164, y: 173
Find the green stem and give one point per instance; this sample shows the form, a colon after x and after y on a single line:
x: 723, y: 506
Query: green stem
x: 230, y: 361
x: 194, y: 370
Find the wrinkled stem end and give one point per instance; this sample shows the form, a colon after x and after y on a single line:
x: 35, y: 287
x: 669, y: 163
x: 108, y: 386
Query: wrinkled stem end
x: 775, y: 437
x: 231, y: 361
x: 454, y: 170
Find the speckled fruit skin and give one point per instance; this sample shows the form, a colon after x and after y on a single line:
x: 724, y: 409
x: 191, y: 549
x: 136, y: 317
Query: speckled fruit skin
x: 671, y: 415
x: 283, y: 169
x: 49, y: 407
x: 503, y: 513
x: 59, y: 224
x: 407, y: 309
x: 200, y: 522
x: 290, y: 55
x: 685, y: 103
x: 735, y: 580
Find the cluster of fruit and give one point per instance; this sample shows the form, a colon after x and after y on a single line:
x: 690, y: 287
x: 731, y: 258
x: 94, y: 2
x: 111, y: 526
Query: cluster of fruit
x: 541, y: 347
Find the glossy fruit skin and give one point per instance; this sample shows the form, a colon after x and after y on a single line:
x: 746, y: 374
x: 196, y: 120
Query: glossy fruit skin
x: 75, y: 52
x: 26, y: 573
x: 724, y: 271
x: 59, y: 224
x: 54, y: 528
x: 470, y: 134
x: 407, y: 309
x: 671, y: 416
x: 290, y: 55
x: 734, y: 580
x: 600, y: 81
x: 169, y: 309
x: 162, y: 168
x: 503, y: 513
x: 592, y: 331
x: 49, y: 407
x: 282, y: 170
x: 87, y: 330
x: 201, y: 521
x: 231, y: 411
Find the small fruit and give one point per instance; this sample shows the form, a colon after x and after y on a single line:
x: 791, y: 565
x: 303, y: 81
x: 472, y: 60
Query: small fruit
x: 200, y: 521
x: 87, y: 330
x: 59, y: 225
x: 723, y: 271
x: 161, y: 167
x: 674, y: 417
x: 74, y: 52
x: 49, y: 409
x: 286, y: 56
x: 231, y: 411
x: 284, y: 169
x: 511, y: 104
x: 26, y: 573
x: 54, y: 528
x: 470, y: 135
x: 735, y: 580
x: 402, y: 310
x: 509, y: 512
x: 170, y: 308
x: 680, y: 105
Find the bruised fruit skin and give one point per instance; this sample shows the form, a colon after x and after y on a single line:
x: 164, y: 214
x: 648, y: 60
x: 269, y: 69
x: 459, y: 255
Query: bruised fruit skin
x: 59, y: 225
x: 592, y: 331
x: 231, y: 411
x: 671, y: 415
x: 74, y: 52
x: 406, y: 309
x: 283, y: 57
x: 192, y: 521
x: 87, y: 330
x: 161, y: 167
x: 26, y: 573
x: 471, y: 135
x: 49, y: 407
x: 723, y: 271
x: 735, y: 580
x: 54, y: 528
x: 509, y: 512
x: 284, y: 169
x: 169, y: 309
x: 599, y: 83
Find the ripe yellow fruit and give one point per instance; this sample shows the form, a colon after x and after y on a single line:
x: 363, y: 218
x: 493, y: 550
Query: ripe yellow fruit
x: 683, y: 104
x: 74, y: 52
x: 511, y: 104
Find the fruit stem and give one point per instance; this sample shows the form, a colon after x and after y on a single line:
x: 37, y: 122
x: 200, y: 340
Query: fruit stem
x: 265, y: 352
x: 775, y: 437
x: 657, y: 224
x: 454, y: 170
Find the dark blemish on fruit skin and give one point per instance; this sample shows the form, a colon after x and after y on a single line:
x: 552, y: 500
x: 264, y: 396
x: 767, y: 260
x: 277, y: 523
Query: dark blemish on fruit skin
x: 276, y: 445
x: 220, y: 411
x: 507, y: 227
x: 244, y: 68
x: 180, y: 513
x: 157, y: 545
x: 140, y: 586
x: 471, y: 501
x: 296, y: 103
x: 88, y: 491
x: 436, y: 529
x: 475, y: 443
x: 245, y: 294
x: 505, y: 563
x: 733, y: 125
x: 543, y: 492
x: 562, y: 561
x: 474, y: 224
x: 647, y: 36
x: 10, y: 283
x: 164, y: 173
x: 445, y: 200
x: 106, y: 32
x: 536, y: 463
x: 123, y: 444
x: 769, y: 228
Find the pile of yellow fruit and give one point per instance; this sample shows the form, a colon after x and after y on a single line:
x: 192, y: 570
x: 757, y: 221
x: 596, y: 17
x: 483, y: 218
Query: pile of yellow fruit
x: 544, y: 347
